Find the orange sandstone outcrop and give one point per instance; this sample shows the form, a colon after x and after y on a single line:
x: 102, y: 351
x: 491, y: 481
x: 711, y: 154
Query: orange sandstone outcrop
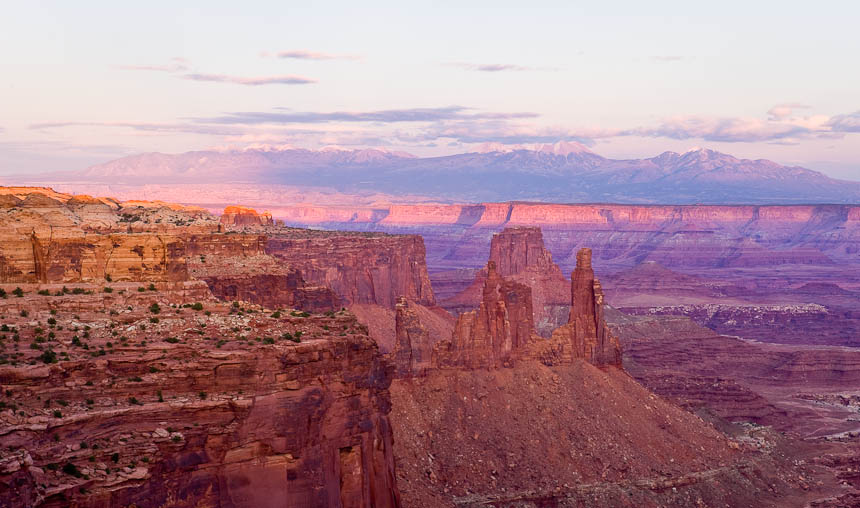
x: 240, y: 216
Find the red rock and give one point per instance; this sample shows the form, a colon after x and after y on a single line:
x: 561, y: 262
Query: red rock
x: 360, y: 268
x: 274, y: 291
x: 490, y: 336
x: 186, y: 423
x: 520, y: 255
x: 410, y: 338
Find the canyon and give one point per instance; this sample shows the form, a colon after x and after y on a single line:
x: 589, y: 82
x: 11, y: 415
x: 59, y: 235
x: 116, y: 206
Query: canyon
x: 160, y: 355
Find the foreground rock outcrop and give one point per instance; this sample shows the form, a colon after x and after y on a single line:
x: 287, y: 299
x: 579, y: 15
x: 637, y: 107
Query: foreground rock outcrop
x: 154, y: 404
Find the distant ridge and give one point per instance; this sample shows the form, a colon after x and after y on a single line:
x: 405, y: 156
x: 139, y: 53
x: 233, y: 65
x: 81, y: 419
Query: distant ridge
x: 560, y: 172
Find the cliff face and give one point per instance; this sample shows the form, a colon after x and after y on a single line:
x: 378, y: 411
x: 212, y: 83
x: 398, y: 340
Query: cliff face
x: 140, y: 256
x: 184, y: 422
x: 699, y: 236
x: 365, y: 270
x: 274, y: 291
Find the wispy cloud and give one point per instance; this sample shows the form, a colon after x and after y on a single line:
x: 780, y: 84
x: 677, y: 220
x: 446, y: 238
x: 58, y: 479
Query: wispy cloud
x: 145, y: 127
x: 303, y: 54
x: 496, y: 67
x: 250, y: 81
x: 384, y: 116
x: 177, y: 64
x: 178, y: 67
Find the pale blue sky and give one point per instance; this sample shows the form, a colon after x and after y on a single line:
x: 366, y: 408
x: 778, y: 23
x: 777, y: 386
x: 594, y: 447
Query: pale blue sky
x: 630, y: 78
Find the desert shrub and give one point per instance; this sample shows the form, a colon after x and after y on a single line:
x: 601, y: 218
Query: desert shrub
x: 72, y: 470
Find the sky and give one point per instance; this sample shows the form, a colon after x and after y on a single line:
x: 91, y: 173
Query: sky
x: 86, y: 82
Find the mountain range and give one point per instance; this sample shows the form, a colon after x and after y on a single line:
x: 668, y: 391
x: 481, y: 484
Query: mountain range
x: 561, y: 172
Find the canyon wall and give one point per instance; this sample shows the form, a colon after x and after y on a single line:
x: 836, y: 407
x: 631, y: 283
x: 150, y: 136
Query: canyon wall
x: 362, y: 269
x: 693, y: 236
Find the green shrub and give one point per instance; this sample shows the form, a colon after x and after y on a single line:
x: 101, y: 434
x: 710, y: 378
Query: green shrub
x: 155, y: 308
x: 18, y: 292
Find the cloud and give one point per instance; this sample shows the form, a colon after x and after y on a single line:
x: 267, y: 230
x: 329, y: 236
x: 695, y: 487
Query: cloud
x: 783, y: 111
x: 496, y: 67
x: 500, y: 131
x: 255, y: 81
x: 302, y: 54
x: 180, y: 65
x: 177, y: 64
x: 145, y: 127
x: 384, y: 116
x: 720, y: 129
x: 845, y: 123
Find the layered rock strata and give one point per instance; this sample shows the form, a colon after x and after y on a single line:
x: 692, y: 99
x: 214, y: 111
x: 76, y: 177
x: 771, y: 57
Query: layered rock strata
x: 274, y: 291
x: 134, y: 407
x: 412, y: 345
x: 361, y: 269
